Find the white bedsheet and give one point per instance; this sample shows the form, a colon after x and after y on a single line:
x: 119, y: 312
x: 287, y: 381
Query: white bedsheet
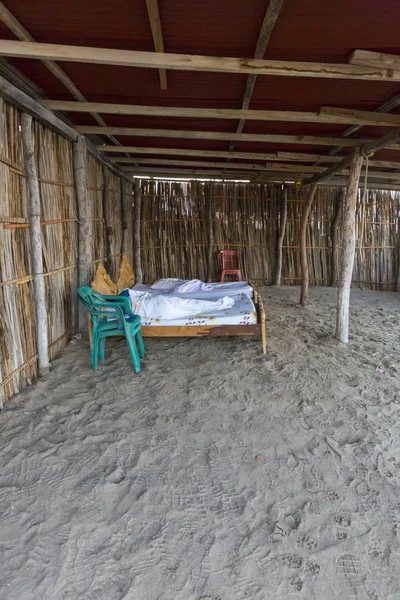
x: 243, y: 312
x: 218, y: 290
x: 169, y: 307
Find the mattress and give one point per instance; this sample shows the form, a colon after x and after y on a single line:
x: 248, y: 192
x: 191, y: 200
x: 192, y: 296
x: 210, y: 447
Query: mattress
x: 219, y: 290
x: 243, y: 312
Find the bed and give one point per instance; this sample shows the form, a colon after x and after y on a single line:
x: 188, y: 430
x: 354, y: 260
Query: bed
x: 246, y: 317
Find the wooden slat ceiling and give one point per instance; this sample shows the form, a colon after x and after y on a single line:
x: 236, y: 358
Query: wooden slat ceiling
x: 306, y: 30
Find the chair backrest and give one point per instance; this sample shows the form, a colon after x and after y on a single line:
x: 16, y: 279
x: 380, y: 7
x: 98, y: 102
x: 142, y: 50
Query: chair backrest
x: 96, y: 304
x: 228, y: 259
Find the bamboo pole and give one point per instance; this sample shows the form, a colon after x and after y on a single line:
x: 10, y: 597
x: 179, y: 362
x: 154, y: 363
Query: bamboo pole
x: 108, y: 221
x: 348, y: 249
x: 303, y: 246
x: 36, y: 245
x: 334, y: 233
x: 282, y: 230
x: 85, y: 222
x: 398, y: 258
x: 210, y: 231
x: 136, y: 232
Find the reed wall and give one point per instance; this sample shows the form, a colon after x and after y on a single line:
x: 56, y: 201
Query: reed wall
x: 59, y: 212
x: 246, y: 217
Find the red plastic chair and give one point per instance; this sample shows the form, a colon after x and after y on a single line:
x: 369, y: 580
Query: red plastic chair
x: 229, y: 263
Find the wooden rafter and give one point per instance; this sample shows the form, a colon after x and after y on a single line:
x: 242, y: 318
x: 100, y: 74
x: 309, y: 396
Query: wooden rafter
x: 22, y: 34
x: 283, y: 157
x: 156, y: 30
x: 191, y: 62
x: 375, y: 59
x: 268, y: 24
x: 217, y: 135
x: 325, y: 116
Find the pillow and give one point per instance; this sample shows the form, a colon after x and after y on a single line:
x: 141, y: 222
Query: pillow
x: 126, y: 278
x: 103, y: 283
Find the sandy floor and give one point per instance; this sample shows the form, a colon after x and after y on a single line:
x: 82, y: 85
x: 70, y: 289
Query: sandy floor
x: 217, y: 473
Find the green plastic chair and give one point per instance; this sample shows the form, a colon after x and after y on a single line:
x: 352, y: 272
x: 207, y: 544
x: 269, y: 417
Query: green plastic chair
x: 112, y: 315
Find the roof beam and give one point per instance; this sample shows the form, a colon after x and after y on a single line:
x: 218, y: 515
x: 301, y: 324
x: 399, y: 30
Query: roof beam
x: 327, y: 115
x: 360, y: 117
x: 191, y: 62
x: 299, y: 157
x: 268, y: 24
x: 22, y: 34
x: 366, y: 149
x: 185, y: 152
x: 375, y: 59
x: 217, y: 135
x: 281, y: 168
x: 155, y: 24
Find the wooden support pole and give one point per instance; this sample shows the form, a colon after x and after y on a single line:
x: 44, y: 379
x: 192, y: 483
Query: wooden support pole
x: 282, y: 230
x: 398, y: 261
x: 348, y: 249
x: 334, y: 233
x: 124, y: 217
x: 303, y: 246
x: 136, y: 232
x: 85, y: 222
x: 107, y: 214
x: 210, y: 231
x: 39, y: 289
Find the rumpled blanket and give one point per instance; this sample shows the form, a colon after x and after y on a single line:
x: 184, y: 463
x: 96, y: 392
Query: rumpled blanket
x: 181, y: 286
x: 167, y: 307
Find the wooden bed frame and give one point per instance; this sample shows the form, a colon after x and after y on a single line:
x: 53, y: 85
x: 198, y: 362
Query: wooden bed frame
x: 214, y: 330
x: 257, y: 330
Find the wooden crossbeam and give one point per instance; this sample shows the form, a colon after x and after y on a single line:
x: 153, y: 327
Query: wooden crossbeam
x: 186, y: 152
x: 268, y: 24
x: 191, y: 62
x: 375, y: 59
x: 22, y: 34
x: 217, y: 135
x: 326, y: 114
x: 299, y: 170
x: 155, y: 24
x: 365, y: 150
x: 361, y: 117
x: 279, y: 156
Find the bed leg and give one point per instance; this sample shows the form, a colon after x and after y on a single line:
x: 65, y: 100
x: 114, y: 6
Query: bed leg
x: 263, y: 337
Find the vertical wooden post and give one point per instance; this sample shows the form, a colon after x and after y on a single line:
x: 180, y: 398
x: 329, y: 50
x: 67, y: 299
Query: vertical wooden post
x: 107, y: 213
x: 210, y: 231
x: 124, y: 217
x: 39, y: 289
x: 398, y: 260
x: 334, y: 234
x: 348, y: 249
x: 282, y: 229
x: 85, y: 222
x: 303, y: 245
x: 136, y: 232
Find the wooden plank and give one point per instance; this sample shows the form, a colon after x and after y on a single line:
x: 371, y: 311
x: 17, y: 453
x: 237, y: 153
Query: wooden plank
x: 375, y: 59
x: 137, y: 256
x: 298, y: 156
x: 218, y: 135
x: 156, y: 30
x: 199, y: 330
x: 381, y: 143
x: 336, y: 168
x: 361, y: 117
x: 327, y: 115
x: 15, y: 96
x: 191, y: 62
x: 22, y: 34
x: 186, y: 152
x: 268, y: 24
